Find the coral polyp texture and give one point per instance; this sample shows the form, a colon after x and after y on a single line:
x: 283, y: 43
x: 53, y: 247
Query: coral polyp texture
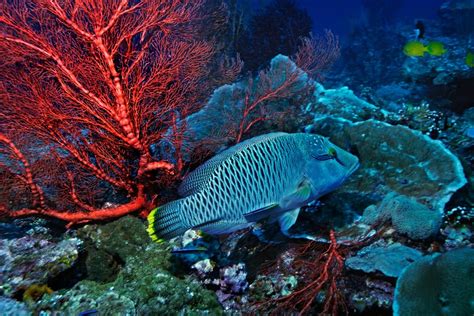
x: 236, y: 157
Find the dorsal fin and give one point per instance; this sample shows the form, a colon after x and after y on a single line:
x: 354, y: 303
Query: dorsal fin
x: 196, y: 180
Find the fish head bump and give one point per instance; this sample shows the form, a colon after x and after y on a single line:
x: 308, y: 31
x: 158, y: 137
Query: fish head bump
x: 328, y: 165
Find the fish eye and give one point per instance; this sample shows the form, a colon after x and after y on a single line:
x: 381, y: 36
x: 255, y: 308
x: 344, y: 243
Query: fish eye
x: 332, y: 152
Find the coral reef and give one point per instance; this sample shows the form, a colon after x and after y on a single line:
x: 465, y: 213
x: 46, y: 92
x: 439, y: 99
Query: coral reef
x: 341, y: 103
x: 457, y: 237
x: 407, y: 216
x: 10, y: 307
x: 132, y: 99
x: 233, y: 281
x: 440, y: 284
x: 399, y: 158
x: 390, y: 259
x: 377, y: 294
x: 142, y: 286
x: 108, y: 247
x: 272, y: 286
x: 30, y: 260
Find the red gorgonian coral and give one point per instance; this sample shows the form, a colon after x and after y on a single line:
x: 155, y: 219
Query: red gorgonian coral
x: 87, y: 88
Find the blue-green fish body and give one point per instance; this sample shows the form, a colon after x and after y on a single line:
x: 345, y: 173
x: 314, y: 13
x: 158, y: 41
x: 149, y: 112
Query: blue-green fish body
x: 269, y: 175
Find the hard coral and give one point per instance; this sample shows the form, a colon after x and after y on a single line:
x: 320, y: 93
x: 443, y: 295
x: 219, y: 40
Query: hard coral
x: 388, y: 259
x: 440, y: 284
x: 407, y: 216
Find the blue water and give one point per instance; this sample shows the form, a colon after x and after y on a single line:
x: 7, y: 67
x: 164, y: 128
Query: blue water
x: 248, y: 157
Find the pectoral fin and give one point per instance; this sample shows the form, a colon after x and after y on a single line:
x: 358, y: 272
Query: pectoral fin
x: 299, y: 197
x: 287, y: 220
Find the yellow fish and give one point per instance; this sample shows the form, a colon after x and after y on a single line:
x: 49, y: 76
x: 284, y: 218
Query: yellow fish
x: 470, y: 59
x: 435, y: 48
x: 414, y: 49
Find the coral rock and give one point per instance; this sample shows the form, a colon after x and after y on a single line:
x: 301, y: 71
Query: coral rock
x: 437, y: 285
x: 408, y: 216
x: 29, y: 260
x: 395, y: 159
x: 10, y: 307
x: 388, y: 259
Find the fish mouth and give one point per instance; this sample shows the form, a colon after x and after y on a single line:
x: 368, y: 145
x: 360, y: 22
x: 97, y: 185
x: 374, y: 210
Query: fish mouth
x: 352, y: 170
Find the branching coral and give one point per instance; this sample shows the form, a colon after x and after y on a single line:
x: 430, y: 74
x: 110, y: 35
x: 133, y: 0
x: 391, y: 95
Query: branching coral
x: 86, y: 88
x: 323, y: 274
x: 319, y: 268
x: 285, y: 79
x: 320, y: 272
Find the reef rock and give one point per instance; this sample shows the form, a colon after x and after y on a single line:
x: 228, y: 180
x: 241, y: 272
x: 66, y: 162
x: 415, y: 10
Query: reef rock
x: 394, y: 159
x: 109, y: 246
x: 408, y: 216
x: 376, y: 294
x: 10, y: 307
x: 457, y: 16
x: 388, y: 259
x: 272, y: 286
x: 233, y: 281
x: 440, y: 284
x: 143, y: 284
x: 32, y: 260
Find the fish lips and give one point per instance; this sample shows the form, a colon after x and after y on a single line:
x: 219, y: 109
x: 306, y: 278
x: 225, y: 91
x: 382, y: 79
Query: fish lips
x: 352, y: 170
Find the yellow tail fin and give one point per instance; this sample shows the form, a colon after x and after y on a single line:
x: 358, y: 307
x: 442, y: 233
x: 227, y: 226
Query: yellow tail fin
x: 151, y: 226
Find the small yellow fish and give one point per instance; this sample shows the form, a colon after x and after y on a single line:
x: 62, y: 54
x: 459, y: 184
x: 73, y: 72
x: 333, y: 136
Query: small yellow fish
x: 414, y: 49
x: 435, y: 48
x: 470, y: 59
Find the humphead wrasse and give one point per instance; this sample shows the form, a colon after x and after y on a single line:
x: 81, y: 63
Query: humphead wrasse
x: 272, y: 175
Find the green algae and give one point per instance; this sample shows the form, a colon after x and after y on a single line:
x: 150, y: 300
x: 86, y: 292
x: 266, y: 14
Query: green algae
x: 143, y: 285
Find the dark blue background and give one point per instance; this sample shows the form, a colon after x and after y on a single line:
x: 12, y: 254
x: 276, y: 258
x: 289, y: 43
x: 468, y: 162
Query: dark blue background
x: 340, y: 15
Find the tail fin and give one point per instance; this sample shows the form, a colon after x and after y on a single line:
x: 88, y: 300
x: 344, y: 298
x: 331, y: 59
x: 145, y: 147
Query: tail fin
x: 164, y: 223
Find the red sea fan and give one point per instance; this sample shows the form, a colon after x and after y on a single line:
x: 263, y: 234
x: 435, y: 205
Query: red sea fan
x: 87, y: 87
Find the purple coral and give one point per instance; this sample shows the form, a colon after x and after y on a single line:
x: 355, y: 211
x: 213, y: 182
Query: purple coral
x: 234, y: 279
x: 233, y: 282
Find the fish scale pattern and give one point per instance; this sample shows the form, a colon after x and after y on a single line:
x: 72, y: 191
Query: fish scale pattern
x: 248, y: 180
x: 247, y: 177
